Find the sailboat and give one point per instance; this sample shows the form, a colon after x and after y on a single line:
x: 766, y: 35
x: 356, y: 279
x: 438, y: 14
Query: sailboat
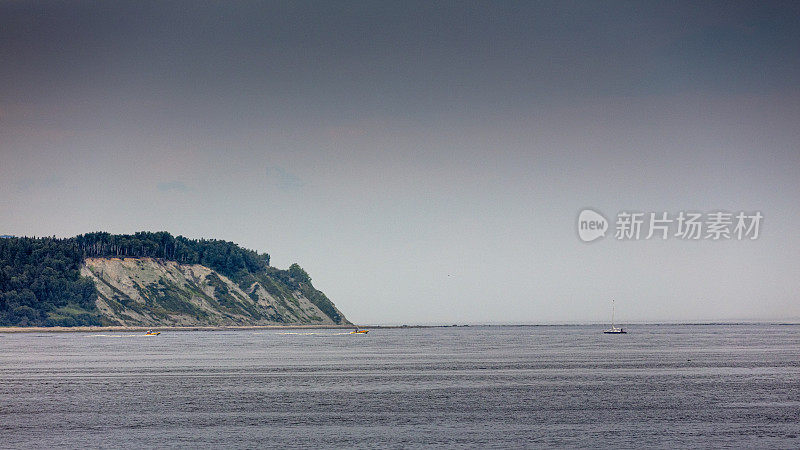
x: 613, y: 329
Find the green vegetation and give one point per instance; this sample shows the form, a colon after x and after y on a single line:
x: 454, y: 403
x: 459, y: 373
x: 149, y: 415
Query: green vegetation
x: 321, y: 301
x: 298, y: 274
x: 224, y: 257
x: 298, y: 279
x: 40, y: 282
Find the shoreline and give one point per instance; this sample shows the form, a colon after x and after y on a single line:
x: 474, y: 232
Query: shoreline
x: 82, y: 329
x: 166, y: 328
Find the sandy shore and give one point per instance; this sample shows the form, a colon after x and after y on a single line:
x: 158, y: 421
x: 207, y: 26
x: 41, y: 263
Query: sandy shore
x: 143, y: 329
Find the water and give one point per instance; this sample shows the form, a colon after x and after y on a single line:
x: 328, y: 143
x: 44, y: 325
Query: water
x: 567, y: 386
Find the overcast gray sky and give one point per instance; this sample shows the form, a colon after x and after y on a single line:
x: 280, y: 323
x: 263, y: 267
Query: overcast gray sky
x: 424, y: 161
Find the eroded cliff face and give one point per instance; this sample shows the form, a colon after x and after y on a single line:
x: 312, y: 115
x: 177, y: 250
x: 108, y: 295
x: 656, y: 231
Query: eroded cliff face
x: 154, y: 292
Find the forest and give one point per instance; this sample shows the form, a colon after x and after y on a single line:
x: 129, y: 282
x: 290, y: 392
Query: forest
x: 225, y: 257
x: 40, y: 284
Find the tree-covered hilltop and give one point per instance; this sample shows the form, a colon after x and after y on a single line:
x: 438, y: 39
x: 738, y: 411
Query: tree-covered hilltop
x: 223, y: 256
x: 41, y: 285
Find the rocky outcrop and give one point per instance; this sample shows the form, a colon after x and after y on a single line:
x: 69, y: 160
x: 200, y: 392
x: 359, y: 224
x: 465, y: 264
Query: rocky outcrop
x: 155, y: 292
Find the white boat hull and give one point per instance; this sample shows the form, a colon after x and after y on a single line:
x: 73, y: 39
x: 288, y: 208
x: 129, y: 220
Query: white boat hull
x: 617, y: 331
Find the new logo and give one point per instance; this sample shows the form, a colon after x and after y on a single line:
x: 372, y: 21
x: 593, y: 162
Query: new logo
x: 591, y: 225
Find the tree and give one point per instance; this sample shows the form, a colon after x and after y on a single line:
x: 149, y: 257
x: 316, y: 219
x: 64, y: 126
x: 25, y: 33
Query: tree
x: 300, y: 275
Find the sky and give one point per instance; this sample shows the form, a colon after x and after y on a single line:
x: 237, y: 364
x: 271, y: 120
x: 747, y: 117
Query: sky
x: 425, y: 162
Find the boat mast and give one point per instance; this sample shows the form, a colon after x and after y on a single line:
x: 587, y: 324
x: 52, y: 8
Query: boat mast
x: 612, y: 313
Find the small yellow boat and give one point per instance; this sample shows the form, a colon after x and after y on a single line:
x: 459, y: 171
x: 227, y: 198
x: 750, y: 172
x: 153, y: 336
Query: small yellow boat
x: 152, y: 333
x: 357, y: 331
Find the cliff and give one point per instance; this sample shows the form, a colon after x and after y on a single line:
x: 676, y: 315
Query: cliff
x: 153, y: 292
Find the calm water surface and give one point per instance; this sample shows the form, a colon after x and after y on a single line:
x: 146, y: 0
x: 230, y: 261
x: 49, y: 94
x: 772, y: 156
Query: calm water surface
x: 569, y: 386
